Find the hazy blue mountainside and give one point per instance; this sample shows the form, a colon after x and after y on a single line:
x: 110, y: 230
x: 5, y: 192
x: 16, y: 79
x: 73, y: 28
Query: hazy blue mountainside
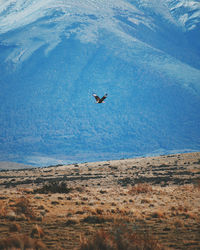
x: 54, y: 54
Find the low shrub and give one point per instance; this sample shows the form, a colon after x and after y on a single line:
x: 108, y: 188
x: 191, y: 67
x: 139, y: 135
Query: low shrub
x: 120, y: 238
x: 158, y: 214
x: 53, y: 187
x: 140, y: 188
x: 197, y: 183
x: 70, y: 222
x: 20, y: 242
x: 96, y: 219
x: 14, y: 227
x: 37, y: 231
x: 2, y: 210
x: 23, y: 206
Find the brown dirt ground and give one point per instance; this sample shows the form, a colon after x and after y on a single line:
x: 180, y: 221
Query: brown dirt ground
x: 158, y: 195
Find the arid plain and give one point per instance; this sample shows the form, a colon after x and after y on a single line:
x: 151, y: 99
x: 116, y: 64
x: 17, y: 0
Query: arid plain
x: 140, y: 203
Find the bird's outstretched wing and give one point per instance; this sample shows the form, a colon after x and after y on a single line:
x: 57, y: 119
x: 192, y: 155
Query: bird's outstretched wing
x: 103, y: 98
x: 96, y: 97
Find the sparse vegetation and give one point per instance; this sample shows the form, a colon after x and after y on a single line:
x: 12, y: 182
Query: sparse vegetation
x: 23, y: 206
x: 197, y: 183
x: 14, y: 227
x: 158, y: 214
x: 70, y: 222
x: 21, y: 242
x: 2, y: 209
x: 197, y: 162
x: 37, y: 231
x: 120, y: 238
x: 96, y: 219
x: 53, y: 187
x: 140, y: 188
x: 178, y: 223
x: 57, y: 206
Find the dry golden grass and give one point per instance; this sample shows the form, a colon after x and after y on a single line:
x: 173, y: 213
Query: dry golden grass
x: 14, y: 227
x: 158, y: 214
x: 141, y: 188
x: 145, y: 201
x: 20, y: 242
x: 71, y: 222
x: 182, y: 209
x: 53, y: 187
x: 37, y: 231
x: 197, y: 183
x: 99, y: 210
x: 120, y: 237
x: 178, y: 223
x: 102, y: 198
x: 23, y: 206
x: 190, y: 215
x: 2, y: 209
x: 96, y: 219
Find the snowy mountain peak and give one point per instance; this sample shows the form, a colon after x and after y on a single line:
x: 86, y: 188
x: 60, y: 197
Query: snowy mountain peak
x: 55, y: 53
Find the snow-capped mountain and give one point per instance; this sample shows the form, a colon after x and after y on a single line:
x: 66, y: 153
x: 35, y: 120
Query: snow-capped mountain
x: 54, y: 54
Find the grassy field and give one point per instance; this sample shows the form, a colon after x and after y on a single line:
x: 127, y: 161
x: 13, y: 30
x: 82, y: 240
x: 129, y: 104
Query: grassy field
x: 141, y: 203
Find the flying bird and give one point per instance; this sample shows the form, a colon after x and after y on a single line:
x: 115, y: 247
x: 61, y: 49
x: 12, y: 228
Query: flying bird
x: 100, y: 100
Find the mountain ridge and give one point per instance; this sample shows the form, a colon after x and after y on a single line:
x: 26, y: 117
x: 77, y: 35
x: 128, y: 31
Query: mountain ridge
x: 144, y: 55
